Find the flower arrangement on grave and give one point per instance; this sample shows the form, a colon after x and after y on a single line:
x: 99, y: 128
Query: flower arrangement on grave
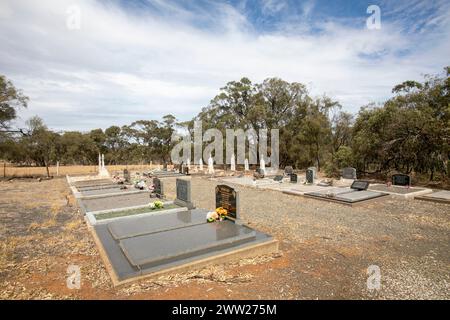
x: 159, y: 204
x: 222, y: 212
x: 156, y: 205
x: 212, y: 216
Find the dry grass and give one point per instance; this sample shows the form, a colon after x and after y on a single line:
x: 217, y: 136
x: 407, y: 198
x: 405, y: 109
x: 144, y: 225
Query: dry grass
x: 12, y: 171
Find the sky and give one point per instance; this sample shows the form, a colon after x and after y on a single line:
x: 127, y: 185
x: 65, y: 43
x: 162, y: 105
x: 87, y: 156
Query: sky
x: 89, y: 64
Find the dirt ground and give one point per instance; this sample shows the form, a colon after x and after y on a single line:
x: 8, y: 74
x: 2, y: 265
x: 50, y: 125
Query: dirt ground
x: 326, y: 249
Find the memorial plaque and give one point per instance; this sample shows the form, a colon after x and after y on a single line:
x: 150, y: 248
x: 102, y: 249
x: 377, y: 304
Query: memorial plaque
x: 349, y: 173
x: 309, y: 176
x: 228, y: 198
x: 288, y: 170
x: 294, y: 178
x: 126, y: 175
x: 278, y: 178
x: 360, y: 185
x: 183, y: 193
x: 158, y: 188
x: 401, y: 180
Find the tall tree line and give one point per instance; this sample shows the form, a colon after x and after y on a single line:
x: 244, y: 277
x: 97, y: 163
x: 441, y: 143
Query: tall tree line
x: 408, y: 133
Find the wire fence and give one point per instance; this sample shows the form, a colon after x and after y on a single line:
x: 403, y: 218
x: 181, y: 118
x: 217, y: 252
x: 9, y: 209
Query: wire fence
x: 8, y: 170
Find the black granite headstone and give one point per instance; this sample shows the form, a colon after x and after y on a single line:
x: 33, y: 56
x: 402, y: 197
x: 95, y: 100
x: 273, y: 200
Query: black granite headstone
x: 294, y: 178
x: 158, y: 188
x: 401, y: 180
x: 309, y: 176
x: 360, y: 185
x: 228, y: 198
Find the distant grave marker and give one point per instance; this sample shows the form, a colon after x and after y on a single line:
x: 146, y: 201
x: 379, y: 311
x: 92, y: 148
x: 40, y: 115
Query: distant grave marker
x: 158, y: 188
x: 183, y: 189
x: 349, y: 173
x: 278, y: 178
x: 401, y: 180
x: 294, y: 178
x: 228, y: 198
x: 314, y: 169
x: 126, y: 175
x: 360, y: 185
x: 288, y: 170
x: 309, y: 176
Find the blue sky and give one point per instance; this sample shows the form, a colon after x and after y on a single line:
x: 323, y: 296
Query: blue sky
x: 130, y: 60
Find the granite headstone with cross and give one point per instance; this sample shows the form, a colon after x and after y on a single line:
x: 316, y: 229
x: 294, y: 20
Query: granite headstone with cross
x: 228, y: 198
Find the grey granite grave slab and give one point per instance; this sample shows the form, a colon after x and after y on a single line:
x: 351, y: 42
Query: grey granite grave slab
x: 115, y: 202
x: 156, y: 223
x: 187, y: 242
x: 107, y: 191
x: 100, y: 187
x: 329, y: 190
x: 183, y: 191
x: 87, y: 183
x: 123, y: 271
x: 356, y: 196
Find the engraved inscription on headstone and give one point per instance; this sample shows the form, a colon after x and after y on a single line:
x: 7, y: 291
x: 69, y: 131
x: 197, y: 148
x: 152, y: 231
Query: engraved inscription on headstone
x: 359, y: 185
x: 228, y: 198
x: 349, y: 173
x: 401, y: 180
x: 294, y: 178
x: 183, y: 193
x: 309, y: 176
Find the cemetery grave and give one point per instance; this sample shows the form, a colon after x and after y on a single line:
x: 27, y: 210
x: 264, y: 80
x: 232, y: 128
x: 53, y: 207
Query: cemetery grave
x: 250, y: 181
x: 400, y: 191
x: 441, y: 196
x: 160, y: 243
x: 355, y: 194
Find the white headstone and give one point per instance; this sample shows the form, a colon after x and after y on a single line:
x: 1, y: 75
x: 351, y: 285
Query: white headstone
x: 200, y: 164
x: 262, y: 165
x: 233, y: 163
x: 210, y: 165
x: 103, y: 161
x: 246, y: 166
x: 99, y: 163
x: 57, y: 168
x: 188, y: 163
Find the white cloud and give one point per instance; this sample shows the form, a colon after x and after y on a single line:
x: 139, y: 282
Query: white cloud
x: 121, y: 67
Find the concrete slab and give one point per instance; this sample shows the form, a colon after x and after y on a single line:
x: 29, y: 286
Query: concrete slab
x: 345, y: 196
x: 156, y: 223
x: 400, y: 191
x: 167, y: 246
x: 442, y: 196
